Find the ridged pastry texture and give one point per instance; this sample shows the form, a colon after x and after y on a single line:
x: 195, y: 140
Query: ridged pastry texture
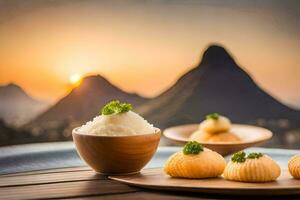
x: 206, y: 164
x: 201, y: 136
x: 262, y: 169
x: 294, y: 166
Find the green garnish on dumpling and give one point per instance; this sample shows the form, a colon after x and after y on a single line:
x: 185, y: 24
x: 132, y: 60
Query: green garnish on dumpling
x: 239, y: 157
x: 115, y: 107
x: 254, y: 155
x: 192, y: 147
x: 214, y: 116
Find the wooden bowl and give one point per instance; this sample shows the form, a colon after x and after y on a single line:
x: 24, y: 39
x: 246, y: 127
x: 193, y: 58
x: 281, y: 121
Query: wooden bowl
x: 116, y: 154
x: 250, y: 136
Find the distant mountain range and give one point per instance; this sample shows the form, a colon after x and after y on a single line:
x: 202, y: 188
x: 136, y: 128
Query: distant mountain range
x: 17, y: 107
x: 217, y: 84
x: 84, y: 102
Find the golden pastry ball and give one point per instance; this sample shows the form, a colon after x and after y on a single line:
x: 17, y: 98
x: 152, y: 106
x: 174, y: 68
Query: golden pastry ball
x: 206, y: 164
x: 224, y: 137
x: 262, y: 169
x: 201, y: 136
x: 221, y: 124
x: 294, y: 166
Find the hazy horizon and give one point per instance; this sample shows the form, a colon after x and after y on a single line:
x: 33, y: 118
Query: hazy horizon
x: 136, y: 44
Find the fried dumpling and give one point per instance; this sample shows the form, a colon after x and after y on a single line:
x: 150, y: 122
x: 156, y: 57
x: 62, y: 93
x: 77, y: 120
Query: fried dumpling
x: 194, y: 161
x: 215, y: 123
x: 256, y: 167
x: 224, y: 137
x: 201, y: 136
x: 294, y: 166
x: 215, y: 128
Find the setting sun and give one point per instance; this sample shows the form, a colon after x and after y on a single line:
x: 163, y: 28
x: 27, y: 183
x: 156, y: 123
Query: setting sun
x: 75, y: 79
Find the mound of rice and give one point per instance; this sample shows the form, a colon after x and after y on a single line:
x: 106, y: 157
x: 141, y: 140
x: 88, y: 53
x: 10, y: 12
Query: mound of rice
x: 129, y: 123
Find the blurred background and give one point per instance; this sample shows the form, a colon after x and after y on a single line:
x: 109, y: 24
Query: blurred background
x: 175, y: 61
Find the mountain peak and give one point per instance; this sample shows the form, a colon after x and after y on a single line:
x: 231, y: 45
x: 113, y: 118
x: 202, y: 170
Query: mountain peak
x: 11, y: 86
x: 216, y: 84
x: 96, y: 77
x: 12, y: 89
x: 95, y: 80
x: 84, y: 102
x: 17, y: 107
x: 217, y: 56
x: 92, y: 82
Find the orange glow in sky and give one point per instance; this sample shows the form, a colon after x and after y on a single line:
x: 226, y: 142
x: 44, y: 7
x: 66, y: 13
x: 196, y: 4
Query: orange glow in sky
x: 144, y: 46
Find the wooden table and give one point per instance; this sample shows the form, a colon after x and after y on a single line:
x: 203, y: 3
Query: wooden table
x: 83, y: 183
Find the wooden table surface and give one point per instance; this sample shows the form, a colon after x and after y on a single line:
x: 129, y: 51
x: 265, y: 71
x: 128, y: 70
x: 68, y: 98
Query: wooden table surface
x: 83, y: 183
x: 70, y: 183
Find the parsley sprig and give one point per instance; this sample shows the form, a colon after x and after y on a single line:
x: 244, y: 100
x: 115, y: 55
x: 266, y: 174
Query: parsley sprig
x: 214, y: 116
x: 254, y: 155
x: 115, y: 107
x: 192, y: 147
x: 241, y: 157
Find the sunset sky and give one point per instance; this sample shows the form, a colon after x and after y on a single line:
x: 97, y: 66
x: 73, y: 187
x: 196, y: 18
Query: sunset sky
x: 144, y: 46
